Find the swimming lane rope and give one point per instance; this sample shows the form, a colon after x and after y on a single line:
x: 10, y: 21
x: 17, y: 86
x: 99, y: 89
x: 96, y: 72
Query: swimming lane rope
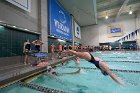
x: 127, y: 61
x: 117, y: 70
x: 40, y: 88
x: 113, y: 57
x: 123, y: 61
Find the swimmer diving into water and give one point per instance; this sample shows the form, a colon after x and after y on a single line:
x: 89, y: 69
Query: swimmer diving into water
x: 100, y: 64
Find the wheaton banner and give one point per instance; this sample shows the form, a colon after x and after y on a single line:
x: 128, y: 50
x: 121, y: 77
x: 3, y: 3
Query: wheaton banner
x: 60, y: 21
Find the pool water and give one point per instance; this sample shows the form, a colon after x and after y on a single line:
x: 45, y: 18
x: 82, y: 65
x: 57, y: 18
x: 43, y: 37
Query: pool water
x: 90, y: 80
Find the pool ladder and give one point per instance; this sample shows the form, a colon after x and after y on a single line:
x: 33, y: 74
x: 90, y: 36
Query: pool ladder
x: 40, y: 88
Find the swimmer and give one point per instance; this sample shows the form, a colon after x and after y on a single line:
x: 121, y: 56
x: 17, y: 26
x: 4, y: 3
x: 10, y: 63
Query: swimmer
x: 26, y: 49
x: 51, y: 71
x: 38, y: 43
x: 100, y: 64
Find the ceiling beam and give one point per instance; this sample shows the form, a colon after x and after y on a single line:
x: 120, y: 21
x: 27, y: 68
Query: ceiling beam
x: 113, y: 12
x: 95, y: 10
x: 109, y: 4
x: 122, y: 8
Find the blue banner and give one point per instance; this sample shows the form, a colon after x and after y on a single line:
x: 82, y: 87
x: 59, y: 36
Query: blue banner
x: 77, y: 30
x: 60, y: 21
x: 115, y: 30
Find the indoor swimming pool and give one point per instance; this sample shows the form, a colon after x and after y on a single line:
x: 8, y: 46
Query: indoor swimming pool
x: 90, y: 80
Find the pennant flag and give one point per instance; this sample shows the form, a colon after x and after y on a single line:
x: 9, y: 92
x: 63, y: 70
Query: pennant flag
x: 132, y: 34
x: 129, y: 36
x: 136, y: 32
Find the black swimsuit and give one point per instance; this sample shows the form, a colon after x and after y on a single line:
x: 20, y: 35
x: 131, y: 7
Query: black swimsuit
x: 27, y: 49
x: 27, y: 46
x: 37, y: 47
x: 96, y: 63
x: 70, y: 47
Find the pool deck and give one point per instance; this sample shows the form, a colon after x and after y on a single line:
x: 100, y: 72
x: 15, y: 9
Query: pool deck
x: 17, y: 72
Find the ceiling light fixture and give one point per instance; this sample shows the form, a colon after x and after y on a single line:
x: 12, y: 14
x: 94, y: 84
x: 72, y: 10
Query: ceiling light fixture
x: 106, y: 17
x: 14, y: 26
x: 60, y: 40
x: 130, y: 11
x: 26, y: 29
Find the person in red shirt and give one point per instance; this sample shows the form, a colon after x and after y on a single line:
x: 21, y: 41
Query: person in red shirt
x: 60, y: 50
x: 60, y: 47
x: 52, y: 50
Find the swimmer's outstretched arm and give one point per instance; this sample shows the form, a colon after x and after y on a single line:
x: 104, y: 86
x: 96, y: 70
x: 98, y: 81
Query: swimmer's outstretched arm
x: 34, y: 42
x: 41, y: 43
x: 110, y: 73
x: 83, y: 55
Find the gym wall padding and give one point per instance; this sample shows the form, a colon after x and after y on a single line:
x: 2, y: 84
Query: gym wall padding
x: 12, y: 41
x: 114, y: 45
x: 104, y: 44
x: 126, y: 44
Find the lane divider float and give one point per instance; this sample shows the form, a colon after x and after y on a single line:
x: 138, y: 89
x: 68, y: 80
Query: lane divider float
x: 117, y: 70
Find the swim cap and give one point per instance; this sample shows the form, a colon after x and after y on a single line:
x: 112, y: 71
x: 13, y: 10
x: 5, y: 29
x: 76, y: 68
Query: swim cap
x: 54, y: 73
x: 49, y: 68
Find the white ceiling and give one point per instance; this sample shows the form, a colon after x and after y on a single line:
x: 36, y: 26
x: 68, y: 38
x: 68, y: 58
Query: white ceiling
x: 87, y: 12
x: 112, y: 7
x: 83, y: 10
